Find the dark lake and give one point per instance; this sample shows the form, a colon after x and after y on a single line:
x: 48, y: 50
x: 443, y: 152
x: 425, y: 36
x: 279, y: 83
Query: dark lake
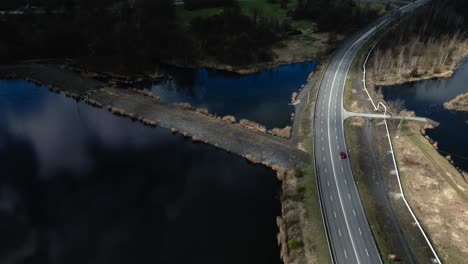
x: 79, y: 185
x: 426, y: 98
x: 263, y: 97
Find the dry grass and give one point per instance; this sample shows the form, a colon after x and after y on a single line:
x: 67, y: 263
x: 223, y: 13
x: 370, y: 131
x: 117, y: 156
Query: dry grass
x: 187, y: 106
x: 93, y: 102
x: 417, y: 60
x: 302, y: 48
x: 202, y: 111
x: 290, y: 222
x: 123, y: 112
x: 145, y: 93
x: 72, y: 95
x: 281, y: 132
x: 437, y: 193
x: 229, y: 118
x: 252, y: 125
x: 293, y: 97
x: 149, y: 122
x: 459, y: 103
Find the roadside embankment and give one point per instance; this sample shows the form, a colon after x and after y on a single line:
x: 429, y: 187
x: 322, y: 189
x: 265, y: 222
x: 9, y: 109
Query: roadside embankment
x: 436, y: 191
x: 459, y: 103
x: 303, y: 234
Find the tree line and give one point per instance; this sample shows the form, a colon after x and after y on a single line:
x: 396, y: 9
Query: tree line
x: 432, y: 41
x: 135, y: 33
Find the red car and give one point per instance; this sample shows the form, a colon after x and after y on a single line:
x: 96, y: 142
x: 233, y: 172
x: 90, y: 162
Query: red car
x: 343, y: 155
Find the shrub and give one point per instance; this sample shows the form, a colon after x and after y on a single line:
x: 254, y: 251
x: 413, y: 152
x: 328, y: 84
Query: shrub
x: 252, y: 125
x: 229, y: 118
x: 294, y: 244
x: 299, y: 173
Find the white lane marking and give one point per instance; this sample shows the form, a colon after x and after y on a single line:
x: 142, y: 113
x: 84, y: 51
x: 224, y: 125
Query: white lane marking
x: 334, y: 212
x: 333, y: 164
x: 321, y: 131
x: 349, y: 196
x: 324, y: 159
x: 367, y: 252
x: 326, y: 170
x: 345, y: 182
x: 360, y: 233
x: 346, y: 256
x: 331, y: 197
x: 354, y: 212
x: 342, y: 170
x: 339, y: 232
x: 328, y: 183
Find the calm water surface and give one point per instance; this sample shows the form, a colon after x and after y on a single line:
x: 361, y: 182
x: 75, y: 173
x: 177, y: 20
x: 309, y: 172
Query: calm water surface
x: 426, y: 98
x: 79, y: 185
x: 263, y: 97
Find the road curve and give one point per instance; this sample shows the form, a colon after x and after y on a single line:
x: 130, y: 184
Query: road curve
x: 349, y: 235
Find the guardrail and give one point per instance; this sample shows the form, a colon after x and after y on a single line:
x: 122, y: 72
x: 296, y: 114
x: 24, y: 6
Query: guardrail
x: 376, y: 108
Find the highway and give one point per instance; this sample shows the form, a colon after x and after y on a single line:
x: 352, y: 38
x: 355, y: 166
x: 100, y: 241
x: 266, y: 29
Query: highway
x: 349, y: 235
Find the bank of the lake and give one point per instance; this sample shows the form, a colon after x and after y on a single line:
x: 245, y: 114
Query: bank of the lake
x: 427, y: 98
x: 79, y: 185
x: 263, y: 97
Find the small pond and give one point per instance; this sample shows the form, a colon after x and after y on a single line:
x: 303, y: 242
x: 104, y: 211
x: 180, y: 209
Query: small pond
x: 263, y: 97
x: 79, y: 185
x: 426, y: 98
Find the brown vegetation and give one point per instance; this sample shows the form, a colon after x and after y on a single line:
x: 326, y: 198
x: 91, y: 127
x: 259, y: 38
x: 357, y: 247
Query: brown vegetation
x: 122, y: 112
x: 294, y: 97
x: 184, y: 105
x: 418, y: 60
x: 291, y: 223
x: 281, y: 132
x: 436, y: 192
x: 149, y: 122
x: 428, y: 44
x: 93, y: 102
x: 202, y: 111
x: 229, y: 118
x: 252, y: 125
x: 146, y: 93
x: 459, y: 103
x: 72, y: 95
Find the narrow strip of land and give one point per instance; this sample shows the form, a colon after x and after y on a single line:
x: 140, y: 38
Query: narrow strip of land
x: 255, y: 146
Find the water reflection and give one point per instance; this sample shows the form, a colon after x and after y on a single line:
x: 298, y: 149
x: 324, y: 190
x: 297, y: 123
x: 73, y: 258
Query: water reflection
x: 426, y: 98
x: 78, y: 185
x: 263, y: 97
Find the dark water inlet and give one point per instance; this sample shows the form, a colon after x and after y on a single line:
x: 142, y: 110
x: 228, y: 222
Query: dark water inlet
x: 263, y: 97
x: 426, y: 98
x: 79, y: 185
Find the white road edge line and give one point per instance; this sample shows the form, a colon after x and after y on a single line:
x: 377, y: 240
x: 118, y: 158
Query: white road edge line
x: 329, y: 141
x: 376, y: 108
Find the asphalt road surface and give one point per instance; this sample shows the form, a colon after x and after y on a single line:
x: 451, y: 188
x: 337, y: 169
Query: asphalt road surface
x: 349, y: 234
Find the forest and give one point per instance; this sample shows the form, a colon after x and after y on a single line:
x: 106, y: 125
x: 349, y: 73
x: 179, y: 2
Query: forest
x: 135, y: 33
x: 430, y: 43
